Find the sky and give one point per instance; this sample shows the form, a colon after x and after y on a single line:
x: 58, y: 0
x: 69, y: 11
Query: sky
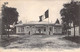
x: 30, y: 10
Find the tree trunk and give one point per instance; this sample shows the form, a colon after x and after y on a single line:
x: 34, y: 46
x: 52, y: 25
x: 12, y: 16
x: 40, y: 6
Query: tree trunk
x: 74, y: 30
x: 8, y: 32
x: 79, y: 21
x: 68, y: 32
x: 79, y: 29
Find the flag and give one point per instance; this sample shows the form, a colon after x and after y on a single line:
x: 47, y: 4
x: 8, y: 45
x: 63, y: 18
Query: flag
x: 40, y: 18
x: 47, y: 14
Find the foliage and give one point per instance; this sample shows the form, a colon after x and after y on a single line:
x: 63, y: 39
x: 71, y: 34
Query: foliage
x: 70, y: 13
x: 10, y: 15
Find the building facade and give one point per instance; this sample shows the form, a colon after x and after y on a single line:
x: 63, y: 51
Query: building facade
x: 39, y: 28
x: 76, y: 31
x: 72, y: 30
x: 0, y: 23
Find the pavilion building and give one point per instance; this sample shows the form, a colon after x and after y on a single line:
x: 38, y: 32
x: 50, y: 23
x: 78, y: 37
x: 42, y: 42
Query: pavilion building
x: 39, y: 28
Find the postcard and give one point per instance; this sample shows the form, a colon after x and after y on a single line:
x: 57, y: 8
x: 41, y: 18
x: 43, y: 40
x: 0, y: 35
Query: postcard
x: 39, y: 25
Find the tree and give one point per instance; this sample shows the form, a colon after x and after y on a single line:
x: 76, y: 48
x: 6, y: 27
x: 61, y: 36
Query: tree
x: 71, y: 14
x: 9, y: 16
x: 66, y: 17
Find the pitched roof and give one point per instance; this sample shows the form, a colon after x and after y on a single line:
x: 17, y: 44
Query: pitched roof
x: 37, y: 23
x: 57, y: 21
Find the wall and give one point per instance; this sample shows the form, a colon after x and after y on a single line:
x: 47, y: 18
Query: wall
x: 57, y: 30
x: 20, y: 30
x: 35, y: 29
x: 76, y: 31
x: 0, y: 26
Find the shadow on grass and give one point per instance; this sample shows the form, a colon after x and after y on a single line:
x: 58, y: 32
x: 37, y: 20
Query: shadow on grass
x: 7, y: 41
x: 75, y: 39
x: 39, y: 34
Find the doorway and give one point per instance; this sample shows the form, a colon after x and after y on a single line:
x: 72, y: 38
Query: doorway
x: 39, y: 30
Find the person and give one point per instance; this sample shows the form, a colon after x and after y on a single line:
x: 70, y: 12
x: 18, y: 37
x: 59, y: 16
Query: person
x: 49, y: 32
x: 29, y: 32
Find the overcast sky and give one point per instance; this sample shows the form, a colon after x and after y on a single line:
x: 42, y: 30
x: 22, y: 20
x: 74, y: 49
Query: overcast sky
x: 30, y: 10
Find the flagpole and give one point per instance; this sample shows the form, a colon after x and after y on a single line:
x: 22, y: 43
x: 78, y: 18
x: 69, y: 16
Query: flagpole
x: 48, y: 23
x: 47, y: 16
x: 48, y: 20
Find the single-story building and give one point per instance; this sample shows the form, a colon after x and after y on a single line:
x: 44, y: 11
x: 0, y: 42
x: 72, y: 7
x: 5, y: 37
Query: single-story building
x: 39, y: 27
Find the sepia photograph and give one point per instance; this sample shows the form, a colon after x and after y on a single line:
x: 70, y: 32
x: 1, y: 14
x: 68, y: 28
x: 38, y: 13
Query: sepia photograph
x: 40, y: 25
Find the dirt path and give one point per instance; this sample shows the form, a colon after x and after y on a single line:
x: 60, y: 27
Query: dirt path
x: 43, y: 41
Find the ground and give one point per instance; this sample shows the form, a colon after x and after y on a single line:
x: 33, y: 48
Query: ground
x: 40, y: 42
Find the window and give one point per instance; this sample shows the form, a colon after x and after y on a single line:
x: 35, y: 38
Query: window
x: 22, y: 29
x: 44, y: 29
x: 50, y: 29
x: 18, y: 29
x: 33, y: 26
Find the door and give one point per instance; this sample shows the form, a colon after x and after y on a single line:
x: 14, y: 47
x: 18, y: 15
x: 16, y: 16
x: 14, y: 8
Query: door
x: 39, y: 30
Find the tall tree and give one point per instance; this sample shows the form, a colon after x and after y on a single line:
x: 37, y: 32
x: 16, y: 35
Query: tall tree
x: 71, y: 13
x: 66, y: 17
x: 9, y: 16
